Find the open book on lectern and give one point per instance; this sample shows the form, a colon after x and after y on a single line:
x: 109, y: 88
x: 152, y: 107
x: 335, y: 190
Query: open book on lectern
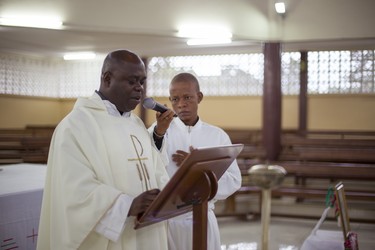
x: 185, y: 187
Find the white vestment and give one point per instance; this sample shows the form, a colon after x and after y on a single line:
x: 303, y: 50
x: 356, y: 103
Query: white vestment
x: 181, y: 137
x: 94, y: 159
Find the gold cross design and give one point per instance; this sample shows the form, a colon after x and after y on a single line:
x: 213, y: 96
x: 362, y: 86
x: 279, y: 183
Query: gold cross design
x: 141, y: 166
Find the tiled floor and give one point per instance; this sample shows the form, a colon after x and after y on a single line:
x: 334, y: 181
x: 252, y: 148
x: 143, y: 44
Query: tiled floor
x: 285, y: 234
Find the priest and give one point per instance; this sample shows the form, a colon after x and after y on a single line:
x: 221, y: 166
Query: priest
x: 102, y: 169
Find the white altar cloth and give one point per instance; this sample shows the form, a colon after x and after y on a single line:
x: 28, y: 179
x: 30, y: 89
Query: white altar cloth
x: 21, y: 192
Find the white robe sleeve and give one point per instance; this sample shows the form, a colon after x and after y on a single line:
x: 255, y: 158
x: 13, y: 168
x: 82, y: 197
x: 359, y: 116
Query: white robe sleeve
x: 163, y: 149
x: 231, y: 180
x: 113, y: 222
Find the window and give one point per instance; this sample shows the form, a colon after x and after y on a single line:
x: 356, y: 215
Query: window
x: 290, y: 73
x: 28, y: 76
x: 341, y: 72
x: 329, y: 72
x: 219, y: 75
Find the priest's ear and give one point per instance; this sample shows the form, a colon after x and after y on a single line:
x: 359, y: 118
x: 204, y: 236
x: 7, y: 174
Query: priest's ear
x: 106, y: 78
x: 200, y: 96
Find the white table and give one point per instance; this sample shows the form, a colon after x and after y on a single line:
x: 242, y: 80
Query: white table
x: 21, y: 191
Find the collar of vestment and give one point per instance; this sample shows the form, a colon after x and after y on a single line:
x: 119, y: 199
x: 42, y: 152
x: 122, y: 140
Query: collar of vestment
x: 111, y: 108
x: 182, y: 125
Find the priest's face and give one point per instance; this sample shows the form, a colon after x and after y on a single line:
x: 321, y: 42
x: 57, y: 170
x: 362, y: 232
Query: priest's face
x: 185, y: 98
x: 125, y: 85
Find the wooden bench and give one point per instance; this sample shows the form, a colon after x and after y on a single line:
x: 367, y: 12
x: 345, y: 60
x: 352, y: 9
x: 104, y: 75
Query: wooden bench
x: 326, y: 146
x: 309, y: 192
x: 252, y: 152
x: 245, y: 136
x: 36, y: 149
x: 251, y: 140
x: 296, y: 192
x: 295, y: 147
x: 11, y: 146
x: 41, y: 130
x: 24, y: 145
x: 334, y: 134
x: 327, y: 155
x: 329, y: 170
x: 299, y: 190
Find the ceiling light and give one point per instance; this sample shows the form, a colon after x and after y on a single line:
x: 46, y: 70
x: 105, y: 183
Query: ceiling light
x: 280, y: 7
x: 32, y: 22
x: 199, y: 35
x: 206, y: 41
x: 199, y: 32
x: 79, y: 56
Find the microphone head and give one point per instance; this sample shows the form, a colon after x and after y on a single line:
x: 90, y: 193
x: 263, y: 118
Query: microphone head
x: 149, y: 103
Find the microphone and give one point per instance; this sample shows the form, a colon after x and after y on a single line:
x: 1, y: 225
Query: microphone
x: 150, y: 103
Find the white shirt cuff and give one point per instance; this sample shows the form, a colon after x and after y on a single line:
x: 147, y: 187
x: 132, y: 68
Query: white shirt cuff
x: 113, y: 222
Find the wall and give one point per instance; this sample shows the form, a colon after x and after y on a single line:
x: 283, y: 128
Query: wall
x: 332, y: 112
x: 227, y: 112
x: 325, y: 112
x: 19, y: 111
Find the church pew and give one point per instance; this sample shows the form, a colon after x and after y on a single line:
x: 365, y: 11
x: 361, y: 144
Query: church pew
x: 317, y: 170
x: 334, y: 155
x: 24, y: 145
x: 36, y: 149
x: 296, y: 192
x: 245, y: 136
x: 335, y: 134
x: 326, y: 146
x: 319, y: 147
x: 41, y: 130
x: 11, y: 146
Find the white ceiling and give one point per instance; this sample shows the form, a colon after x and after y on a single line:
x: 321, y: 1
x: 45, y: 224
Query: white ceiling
x: 149, y: 27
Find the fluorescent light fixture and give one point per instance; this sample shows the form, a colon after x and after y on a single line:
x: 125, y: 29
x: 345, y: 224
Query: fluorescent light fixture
x: 207, y: 41
x: 197, y: 32
x: 32, y: 22
x: 205, y: 35
x: 79, y: 56
x: 280, y: 7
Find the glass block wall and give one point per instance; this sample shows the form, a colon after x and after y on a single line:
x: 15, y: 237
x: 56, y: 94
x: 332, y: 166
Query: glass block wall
x: 20, y: 75
x: 341, y: 72
x: 219, y: 75
x: 329, y: 72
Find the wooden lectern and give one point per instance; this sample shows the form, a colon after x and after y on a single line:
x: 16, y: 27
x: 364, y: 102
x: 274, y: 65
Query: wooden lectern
x: 190, y: 188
